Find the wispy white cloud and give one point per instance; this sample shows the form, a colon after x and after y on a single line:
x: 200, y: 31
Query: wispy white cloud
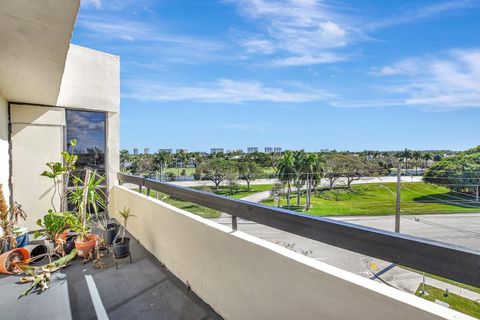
x: 131, y: 30
x: 443, y: 81
x: 224, y: 91
x: 257, y: 45
x: 326, y: 57
x: 301, y: 32
x: 421, y: 13
x: 95, y: 3
x: 407, y: 66
x: 310, y: 32
x: 151, y: 37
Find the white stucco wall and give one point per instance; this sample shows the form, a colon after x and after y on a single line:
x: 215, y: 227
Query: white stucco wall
x: 4, y: 157
x: 113, y: 148
x: 243, y: 277
x: 34, y: 40
x: 91, y: 80
x: 37, y: 138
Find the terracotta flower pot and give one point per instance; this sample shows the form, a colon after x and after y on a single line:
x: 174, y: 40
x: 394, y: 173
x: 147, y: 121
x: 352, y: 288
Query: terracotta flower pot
x: 5, y: 259
x: 85, y: 247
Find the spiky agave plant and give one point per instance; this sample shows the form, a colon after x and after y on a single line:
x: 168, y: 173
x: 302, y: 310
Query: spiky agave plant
x: 126, y: 213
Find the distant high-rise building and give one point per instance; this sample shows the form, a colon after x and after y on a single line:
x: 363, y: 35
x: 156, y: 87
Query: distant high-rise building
x: 169, y: 151
x: 135, y: 151
x: 182, y: 150
x: 146, y: 151
x: 252, y: 149
x: 268, y: 149
x: 277, y: 149
x: 216, y: 150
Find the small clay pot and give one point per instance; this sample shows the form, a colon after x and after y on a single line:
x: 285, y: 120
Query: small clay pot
x: 85, y: 247
x: 7, y: 256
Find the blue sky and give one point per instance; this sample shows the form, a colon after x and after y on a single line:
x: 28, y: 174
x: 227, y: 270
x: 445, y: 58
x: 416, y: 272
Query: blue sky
x: 345, y: 75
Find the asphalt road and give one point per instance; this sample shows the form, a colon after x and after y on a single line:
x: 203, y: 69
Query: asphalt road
x: 459, y: 229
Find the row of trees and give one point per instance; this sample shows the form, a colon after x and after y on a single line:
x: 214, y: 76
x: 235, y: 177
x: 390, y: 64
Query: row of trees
x: 218, y: 170
x: 305, y: 171
x: 460, y: 173
x: 157, y: 163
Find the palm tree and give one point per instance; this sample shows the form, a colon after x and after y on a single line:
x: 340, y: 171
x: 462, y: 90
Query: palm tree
x: 124, y: 160
x: 286, y: 172
x: 299, y: 158
x: 406, y: 154
x: 312, y: 174
x: 416, y: 155
x: 161, y: 160
x: 427, y: 156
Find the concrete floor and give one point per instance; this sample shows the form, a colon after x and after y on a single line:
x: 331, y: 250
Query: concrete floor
x: 141, y: 290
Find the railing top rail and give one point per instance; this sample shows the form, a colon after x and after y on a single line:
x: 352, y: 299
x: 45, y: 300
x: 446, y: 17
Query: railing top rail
x: 442, y: 259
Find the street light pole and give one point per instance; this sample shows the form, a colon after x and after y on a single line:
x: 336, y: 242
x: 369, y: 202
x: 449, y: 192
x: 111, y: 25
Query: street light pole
x: 397, y: 211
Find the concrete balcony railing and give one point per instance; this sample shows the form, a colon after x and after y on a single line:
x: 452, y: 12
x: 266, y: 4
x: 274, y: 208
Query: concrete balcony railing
x: 244, y: 277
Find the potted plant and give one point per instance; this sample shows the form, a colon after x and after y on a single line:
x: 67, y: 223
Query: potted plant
x: 57, y: 229
x: 95, y: 201
x: 109, y: 229
x: 60, y: 174
x: 8, y: 218
x: 86, y: 241
x: 121, y: 246
x: 10, y: 261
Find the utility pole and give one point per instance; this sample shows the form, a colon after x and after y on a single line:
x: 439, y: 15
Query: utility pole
x: 397, y: 211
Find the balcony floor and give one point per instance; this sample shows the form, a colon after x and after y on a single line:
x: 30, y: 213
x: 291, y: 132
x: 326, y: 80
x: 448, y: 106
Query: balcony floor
x: 141, y: 290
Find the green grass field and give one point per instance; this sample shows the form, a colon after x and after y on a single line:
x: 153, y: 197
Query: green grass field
x: 455, y: 302
x: 242, y: 192
x: 185, y: 205
x: 190, y: 171
x: 204, y: 211
x: 379, y: 199
x: 455, y: 283
x: 178, y: 171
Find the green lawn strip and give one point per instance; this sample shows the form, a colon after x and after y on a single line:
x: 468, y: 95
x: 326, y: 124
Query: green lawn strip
x: 185, y: 205
x: 243, y: 192
x: 267, y: 173
x: 453, y: 282
x: 379, y: 199
x: 455, y: 302
x: 178, y: 171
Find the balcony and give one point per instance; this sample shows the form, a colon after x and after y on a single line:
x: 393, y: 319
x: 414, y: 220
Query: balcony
x: 187, y: 267
x: 233, y: 271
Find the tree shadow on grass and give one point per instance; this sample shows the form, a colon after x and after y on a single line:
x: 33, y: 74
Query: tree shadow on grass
x: 449, y: 198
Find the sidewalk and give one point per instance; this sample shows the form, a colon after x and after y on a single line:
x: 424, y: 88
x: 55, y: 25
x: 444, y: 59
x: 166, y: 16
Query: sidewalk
x: 409, y: 281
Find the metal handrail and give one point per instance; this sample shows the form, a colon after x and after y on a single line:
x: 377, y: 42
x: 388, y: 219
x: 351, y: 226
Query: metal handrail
x: 442, y: 259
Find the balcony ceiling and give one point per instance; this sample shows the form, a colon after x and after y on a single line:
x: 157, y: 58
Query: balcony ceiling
x: 34, y: 40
